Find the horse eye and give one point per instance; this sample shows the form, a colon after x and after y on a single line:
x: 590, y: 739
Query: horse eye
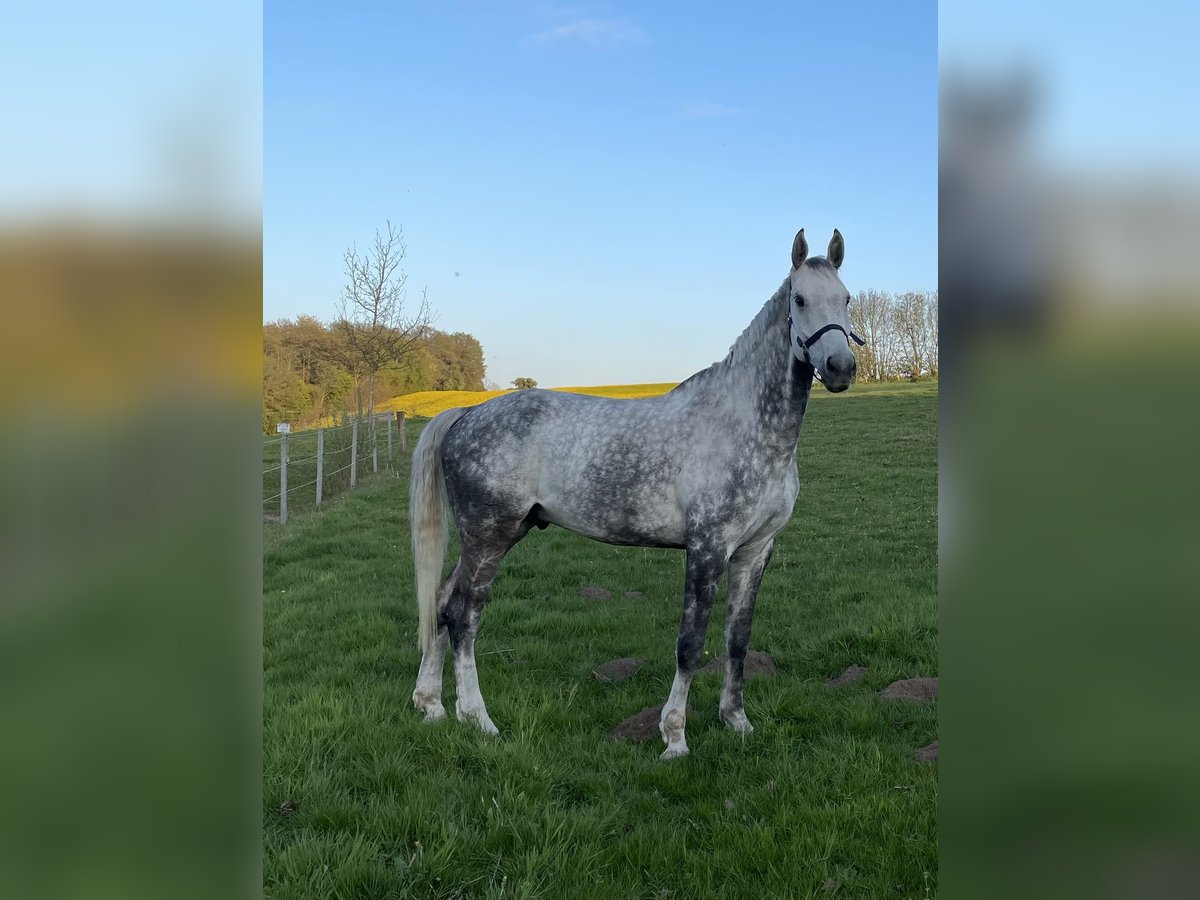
x: 799, y: 300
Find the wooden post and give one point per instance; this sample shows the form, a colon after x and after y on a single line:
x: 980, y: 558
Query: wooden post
x: 389, y: 458
x: 283, y: 461
x: 354, y: 453
x: 403, y: 436
x: 320, y: 462
x: 374, y: 446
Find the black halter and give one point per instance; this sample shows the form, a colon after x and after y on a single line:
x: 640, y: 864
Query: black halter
x: 832, y: 326
x: 804, y: 345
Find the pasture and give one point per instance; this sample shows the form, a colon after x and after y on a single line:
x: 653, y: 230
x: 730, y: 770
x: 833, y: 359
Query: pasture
x: 362, y: 799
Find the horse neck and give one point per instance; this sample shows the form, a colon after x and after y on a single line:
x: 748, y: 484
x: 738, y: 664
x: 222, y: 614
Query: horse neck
x: 761, y: 370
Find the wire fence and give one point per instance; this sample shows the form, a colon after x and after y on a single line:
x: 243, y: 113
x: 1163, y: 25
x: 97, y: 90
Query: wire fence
x: 304, y: 469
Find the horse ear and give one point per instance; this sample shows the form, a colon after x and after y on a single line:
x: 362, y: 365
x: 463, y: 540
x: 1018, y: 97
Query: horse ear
x: 799, y: 250
x: 837, y: 249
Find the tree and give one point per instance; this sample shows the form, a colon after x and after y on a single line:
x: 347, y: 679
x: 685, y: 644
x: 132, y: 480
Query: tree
x: 522, y: 383
x: 908, y: 320
x: 931, y: 331
x: 871, y: 319
x: 377, y: 326
x: 458, y: 362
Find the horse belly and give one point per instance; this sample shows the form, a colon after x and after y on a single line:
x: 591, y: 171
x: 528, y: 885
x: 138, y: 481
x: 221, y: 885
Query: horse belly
x: 649, y: 517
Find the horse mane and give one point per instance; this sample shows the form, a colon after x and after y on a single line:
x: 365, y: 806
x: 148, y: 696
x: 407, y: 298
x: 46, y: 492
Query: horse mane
x: 745, y: 348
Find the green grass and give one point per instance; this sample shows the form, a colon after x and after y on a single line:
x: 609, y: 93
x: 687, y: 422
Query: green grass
x: 822, y: 800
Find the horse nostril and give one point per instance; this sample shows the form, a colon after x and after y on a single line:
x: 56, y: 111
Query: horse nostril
x: 831, y: 365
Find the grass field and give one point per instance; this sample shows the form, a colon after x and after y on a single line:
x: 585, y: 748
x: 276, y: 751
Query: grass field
x: 823, y: 800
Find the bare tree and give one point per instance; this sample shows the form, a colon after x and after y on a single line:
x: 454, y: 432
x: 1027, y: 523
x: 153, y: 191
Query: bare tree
x: 871, y: 319
x: 931, y: 331
x: 908, y: 320
x: 377, y: 325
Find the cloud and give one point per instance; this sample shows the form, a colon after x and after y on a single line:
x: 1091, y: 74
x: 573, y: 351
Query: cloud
x: 593, y: 32
x: 710, y: 111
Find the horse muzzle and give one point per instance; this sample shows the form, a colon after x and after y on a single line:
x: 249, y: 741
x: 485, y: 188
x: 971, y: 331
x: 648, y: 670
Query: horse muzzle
x: 838, y: 371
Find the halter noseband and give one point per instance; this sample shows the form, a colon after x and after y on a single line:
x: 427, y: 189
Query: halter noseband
x: 832, y: 326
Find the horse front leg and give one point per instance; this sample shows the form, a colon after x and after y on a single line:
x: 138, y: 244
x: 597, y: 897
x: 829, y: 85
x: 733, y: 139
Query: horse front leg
x: 704, y: 568
x: 745, y: 575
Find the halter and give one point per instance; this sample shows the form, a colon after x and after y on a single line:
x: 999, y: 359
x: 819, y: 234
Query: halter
x: 832, y: 326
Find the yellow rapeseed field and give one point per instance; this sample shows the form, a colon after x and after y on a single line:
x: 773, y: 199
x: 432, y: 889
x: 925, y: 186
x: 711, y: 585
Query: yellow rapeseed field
x: 430, y: 403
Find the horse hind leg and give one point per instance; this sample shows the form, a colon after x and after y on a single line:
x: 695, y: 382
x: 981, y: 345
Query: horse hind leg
x: 460, y: 616
x: 427, y: 696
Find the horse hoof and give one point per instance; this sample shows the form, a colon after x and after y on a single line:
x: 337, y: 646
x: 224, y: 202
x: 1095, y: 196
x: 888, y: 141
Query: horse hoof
x: 673, y: 753
x: 435, y: 713
x: 479, y: 719
x: 737, y: 722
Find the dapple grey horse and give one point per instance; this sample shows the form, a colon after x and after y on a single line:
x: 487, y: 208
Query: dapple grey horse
x: 709, y: 468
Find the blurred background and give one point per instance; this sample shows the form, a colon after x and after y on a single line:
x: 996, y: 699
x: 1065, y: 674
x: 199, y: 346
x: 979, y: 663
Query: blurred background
x: 130, y: 278
x: 1069, y: 215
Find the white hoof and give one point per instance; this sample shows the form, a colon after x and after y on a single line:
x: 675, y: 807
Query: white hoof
x: 677, y: 752
x: 435, y: 713
x: 479, y: 718
x: 737, y: 721
x: 429, y: 703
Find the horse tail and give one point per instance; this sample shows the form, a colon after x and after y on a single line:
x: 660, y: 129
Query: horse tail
x: 427, y: 521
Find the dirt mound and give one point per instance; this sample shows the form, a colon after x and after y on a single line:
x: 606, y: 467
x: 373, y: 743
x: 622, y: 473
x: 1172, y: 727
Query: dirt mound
x: 591, y: 592
x: 617, y: 669
x: 849, y: 675
x: 912, y: 690
x: 928, y: 753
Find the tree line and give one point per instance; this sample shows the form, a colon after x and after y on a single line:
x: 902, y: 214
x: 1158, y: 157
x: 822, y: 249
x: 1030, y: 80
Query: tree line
x: 380, y: 345
x: 312, y: 370
x: 901, y: 334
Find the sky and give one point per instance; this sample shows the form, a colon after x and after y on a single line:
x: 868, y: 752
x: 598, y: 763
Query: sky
x: 601, y: 193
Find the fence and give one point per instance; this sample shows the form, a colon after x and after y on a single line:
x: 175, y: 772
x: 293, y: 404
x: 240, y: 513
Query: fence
x: 303, y: 469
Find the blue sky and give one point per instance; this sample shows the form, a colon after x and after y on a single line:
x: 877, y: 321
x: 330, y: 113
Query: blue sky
x: 600, y: 192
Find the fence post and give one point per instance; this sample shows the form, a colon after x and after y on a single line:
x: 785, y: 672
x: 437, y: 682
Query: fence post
x: 403, y: 436
x: 283, y: 461
x: 354, y: 453
x: 389, y: 458
x: 374, y: 446
x: 320, y: 462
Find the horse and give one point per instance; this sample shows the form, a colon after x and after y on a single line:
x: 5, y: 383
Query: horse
x: 708, y: 468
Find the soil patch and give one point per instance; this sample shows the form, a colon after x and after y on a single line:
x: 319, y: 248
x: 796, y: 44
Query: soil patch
x: 849, y: 675
x: 617, y: 669
x: 912, y: 690
x: 928, y: 753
